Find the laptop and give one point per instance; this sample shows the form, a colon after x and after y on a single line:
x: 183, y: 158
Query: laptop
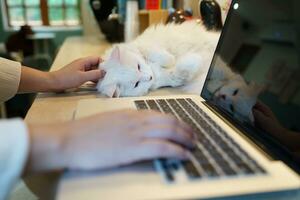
x: 236, y: 154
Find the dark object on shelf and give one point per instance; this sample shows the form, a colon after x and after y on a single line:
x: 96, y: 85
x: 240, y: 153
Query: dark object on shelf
x: 211, y: 14
x: 179, y: 16
x: 102, y: 9
x: 111, y: 28
x: 19, y: 42
x: 178, y: 4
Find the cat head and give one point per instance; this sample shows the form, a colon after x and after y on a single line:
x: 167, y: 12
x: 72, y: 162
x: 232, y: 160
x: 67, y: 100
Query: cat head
x: 238, y: 97
x: 127, y: 73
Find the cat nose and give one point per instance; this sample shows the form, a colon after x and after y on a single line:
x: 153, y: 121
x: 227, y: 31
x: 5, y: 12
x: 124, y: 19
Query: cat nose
x: 146, y: 78
x: 223, y: 96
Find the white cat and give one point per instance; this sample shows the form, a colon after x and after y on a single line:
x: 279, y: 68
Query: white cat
x: 164, y: 55
x: 230, y: 91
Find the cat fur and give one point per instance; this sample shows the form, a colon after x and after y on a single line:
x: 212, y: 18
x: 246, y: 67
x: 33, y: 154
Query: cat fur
x: 230, y: 91
x: 169, y: 55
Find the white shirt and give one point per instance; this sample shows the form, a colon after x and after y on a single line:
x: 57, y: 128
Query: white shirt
x: 14, y: 141
x: 10, y: 75
x: 14, y: 145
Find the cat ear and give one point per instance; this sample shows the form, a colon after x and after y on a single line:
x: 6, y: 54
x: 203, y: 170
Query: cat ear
x: 115, y: 54
x: 117, y: 92
x: 251, y: 117
x: 112, y: 90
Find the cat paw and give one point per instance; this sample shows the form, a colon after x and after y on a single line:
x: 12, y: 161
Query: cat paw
x: 163, y: 58
x: 189, y: 65
x: 168, y: 61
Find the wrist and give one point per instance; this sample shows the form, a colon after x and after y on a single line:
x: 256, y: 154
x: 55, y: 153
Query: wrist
x: 53, y: 82
x: 46, y: 147
x: 33, y: 80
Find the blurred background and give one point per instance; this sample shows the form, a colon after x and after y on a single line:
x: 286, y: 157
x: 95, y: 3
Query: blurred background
x: 32, y: 31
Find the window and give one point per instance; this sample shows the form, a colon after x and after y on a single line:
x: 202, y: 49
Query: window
x: 43, y: 12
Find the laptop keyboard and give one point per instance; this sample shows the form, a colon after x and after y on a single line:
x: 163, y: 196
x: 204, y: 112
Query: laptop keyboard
x: 216, y: 154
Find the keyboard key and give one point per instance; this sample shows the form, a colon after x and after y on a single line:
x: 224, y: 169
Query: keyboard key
x: 190, y: 169
x: 153, y: 105
x: 245, y: 168
x: 164, y: 106
x: 200, y: 156
x: 226, y: 168
x: 141, y: 105
x: 209, y: 170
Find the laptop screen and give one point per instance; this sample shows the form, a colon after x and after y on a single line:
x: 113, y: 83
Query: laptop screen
x: 254, y: 78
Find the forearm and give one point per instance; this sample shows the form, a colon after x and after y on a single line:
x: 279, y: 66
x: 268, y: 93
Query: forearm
x: 33, y: 80
x: 70, y: 76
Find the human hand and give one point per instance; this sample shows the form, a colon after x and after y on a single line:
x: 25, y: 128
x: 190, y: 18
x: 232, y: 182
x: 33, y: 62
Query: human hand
x: 109, y: 139
x: 76, y: 73
x: 265, y: 119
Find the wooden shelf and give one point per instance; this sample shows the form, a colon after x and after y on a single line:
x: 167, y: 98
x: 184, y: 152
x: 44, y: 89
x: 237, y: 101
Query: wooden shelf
x: 151, y: 17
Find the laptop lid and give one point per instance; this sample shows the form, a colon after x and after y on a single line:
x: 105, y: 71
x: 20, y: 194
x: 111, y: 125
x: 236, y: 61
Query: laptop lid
x: 254, y: 76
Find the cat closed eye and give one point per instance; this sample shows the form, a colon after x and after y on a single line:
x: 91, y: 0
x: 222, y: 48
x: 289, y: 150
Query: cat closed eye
x: 235, y: 92
x: 231, y: 108
x: 139, y: 67
x: 137, y: 84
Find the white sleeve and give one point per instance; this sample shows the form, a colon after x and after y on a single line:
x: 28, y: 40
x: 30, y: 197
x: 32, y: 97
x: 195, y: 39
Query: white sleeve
x: 14, y: 147
x: 10, y: 75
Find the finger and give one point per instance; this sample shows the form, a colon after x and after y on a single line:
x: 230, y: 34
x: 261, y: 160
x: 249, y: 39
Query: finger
x: 156, y: 148
x: 92, y: 67
x: 170, y: 132
x: 90, y: 62
x: 95, y: 81
x: 158, y: 118
x: 259, y: 117
x: 150, y: 116
x: 92, y: 75
x: 263, y: 107
x: 257, y: 104
x: 102, y: 76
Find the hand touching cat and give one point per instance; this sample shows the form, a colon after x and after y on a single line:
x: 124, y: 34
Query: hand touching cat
x: 78, y: 72
x: 71, y: 76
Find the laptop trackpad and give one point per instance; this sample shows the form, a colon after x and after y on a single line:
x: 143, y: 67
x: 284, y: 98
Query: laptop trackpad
x: 89, y: 107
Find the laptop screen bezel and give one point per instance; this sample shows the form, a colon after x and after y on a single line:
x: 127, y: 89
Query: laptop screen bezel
x: 264, y: 142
